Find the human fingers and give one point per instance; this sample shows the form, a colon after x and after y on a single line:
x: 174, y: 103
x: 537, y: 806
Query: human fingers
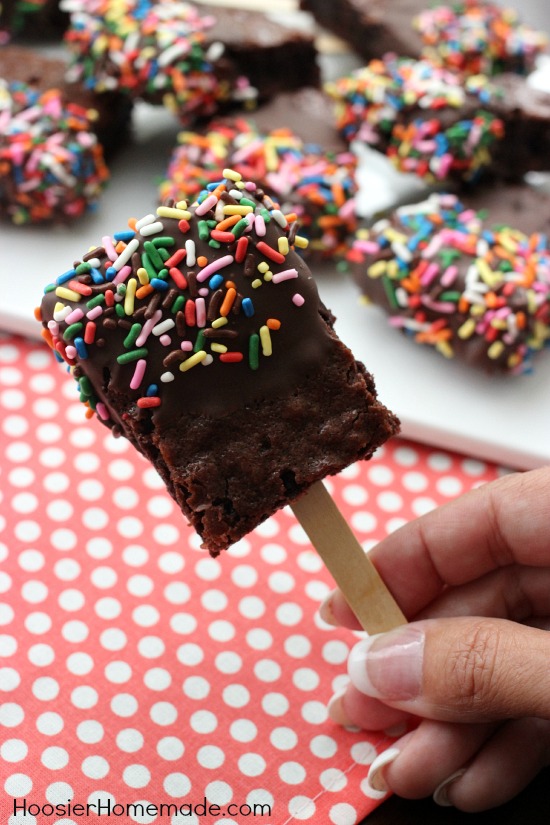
x: 502, y: 768
x: 462, y: 669
x: 498, y: 524
x: 351, y: 708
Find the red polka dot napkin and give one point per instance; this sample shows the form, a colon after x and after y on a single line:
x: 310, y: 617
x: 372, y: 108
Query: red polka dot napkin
x: 143, y: 680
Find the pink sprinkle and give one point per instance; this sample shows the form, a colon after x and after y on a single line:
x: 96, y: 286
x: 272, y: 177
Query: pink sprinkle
x: 70, y: 352
x: 186, y: 346
x: 449, y: 276
x: 259, y: 226
x: 165, y: 340
x: 204, y: 292
x: 109, y: 248
x: 147, y: 327
x: 298, y: 300
x: 285, y: 275
x: 101, y: 410
x: 211, y: 269
x: 200, y: 310
x: 139, y: 372
x: 429, y: 274
x: 94, y: 313
x: 122, y: 274
x: 207, y: 204
x: 74, y: 316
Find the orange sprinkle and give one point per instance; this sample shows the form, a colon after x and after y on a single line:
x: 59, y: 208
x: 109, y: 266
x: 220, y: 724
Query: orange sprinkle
x: 47, y: 336
x: 38, y: 313
x: 144, y: 290
x: 228, y: 222
x: 463, y: 304
x: 273, y: 323
x: 202, y: 261
x: 120, y: 246
x: 521, y: 320
x: 231, y: 285
x: 291, y: 217
x: 132, y: 223
x: 228, y: 301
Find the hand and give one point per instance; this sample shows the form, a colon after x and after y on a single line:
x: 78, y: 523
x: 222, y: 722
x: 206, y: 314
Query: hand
x: 473, y: 578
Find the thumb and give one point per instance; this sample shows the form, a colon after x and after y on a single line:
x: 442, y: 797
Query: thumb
x: 457, y: 669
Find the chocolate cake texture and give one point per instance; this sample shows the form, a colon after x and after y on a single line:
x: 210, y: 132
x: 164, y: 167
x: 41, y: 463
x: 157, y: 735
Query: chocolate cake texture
x: 467, y: 281
x: 198, y: 333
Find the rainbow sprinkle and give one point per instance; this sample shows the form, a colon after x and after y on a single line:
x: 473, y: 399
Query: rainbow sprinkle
x: 318, y: 186
x: 450, y: 281
x: 51, y: 165
x: 388, y: 105
x: 479, y: 38
x: 156, y: 51
x: 168, y: 305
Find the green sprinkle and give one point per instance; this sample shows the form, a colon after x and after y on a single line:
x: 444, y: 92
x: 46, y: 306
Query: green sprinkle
x: 239, y: 228
x: 135, y: 355
x: 390, y: 292
x: 254, y: 351
x: 178, y: 304
x: 450, y: 295
x: 119, y: 309
x: 153, y: 254
x: 132, y: 336
x: 83, y: 268
x: 148, y: 266
x: 72, y: 330
x: 94, y: 302
x: 199, y: 343
x: 214, y: 244
x: 164, y: 241
x: 204, y: 231
x: 85, y: 386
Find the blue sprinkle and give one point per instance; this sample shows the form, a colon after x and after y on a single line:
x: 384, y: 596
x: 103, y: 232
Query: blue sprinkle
x: 125, y: 236
x: 152, y: 390
x: 70, y: 273
x: 158, y: 283
x: 81, y: 347
x: 248, y: 307
x: 97, y: 277
x: 215, y: 281
x: 110, y: 273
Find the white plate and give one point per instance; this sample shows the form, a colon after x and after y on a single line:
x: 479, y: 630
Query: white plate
x: 442, y: 403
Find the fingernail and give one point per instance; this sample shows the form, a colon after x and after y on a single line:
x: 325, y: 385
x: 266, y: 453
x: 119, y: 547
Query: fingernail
x: 325, y: 610
x: 335, y: 709
x: 388, y: 666
x: 441, y: 793
x: 375, y: 777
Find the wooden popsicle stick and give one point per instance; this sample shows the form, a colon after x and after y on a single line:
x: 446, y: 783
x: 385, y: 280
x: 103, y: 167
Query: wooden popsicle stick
x: 351, y: 568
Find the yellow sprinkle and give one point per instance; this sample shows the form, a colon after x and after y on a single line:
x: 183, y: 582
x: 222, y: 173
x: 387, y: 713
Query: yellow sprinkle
x: 130, y: 296
x: 268, y: 275
x: 514, y: 360
x: 393, y: 269
x: 219, y: 322
x: 467, y: 329
x: 234, y: 209
x: 301, y: 242
x: 477, y: 310
x: 143, y: 276
x: 495, y: 350
x: 486, y: 273
x: 231, y: 174
x: 263, y: 267
x: 68, y: 294
x: 445, y: 349
x: 218, y: 347
x: 377, y: 269
x: 195, y: 359
x: 283, y: 246
x: 499, y: 323
x: 265, y: 338
x: 181, y: 205
x: 394, y: 236
x: 169, y: 212
x: 256, y: 283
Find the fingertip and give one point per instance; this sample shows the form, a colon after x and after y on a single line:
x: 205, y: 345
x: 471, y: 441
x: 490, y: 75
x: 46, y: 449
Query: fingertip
x: 335, y: 611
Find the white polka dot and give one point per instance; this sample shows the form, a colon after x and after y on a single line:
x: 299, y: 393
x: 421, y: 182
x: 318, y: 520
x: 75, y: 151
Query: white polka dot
x: 251, y: 607
x: 243, y: 730
x: 41, y: 655
x: 259, y: 639
x: 228, y: 662
x: 324, y: 747
x: 292, y: 773
x: 267, y: 670
x: 252, y: 764
x: 24, y: 503
x: 281, y: 582
x: 157, y: 678
x: 90, y: 731
x: 95, y: 767
x: 120, y: 469
x: 118, y: 672
x: 71, y: 599
x: 27, y: 531
x: 99, y: 547
x: 472, y: 467
x: 160, y: 506
x: 34, y: 591
x: 21, y: 477
x: 108, y: 608
x: 190, y: 654
x: 58, y: 793
x: 309, y: 561
x: 113, y: 639
x: 355, y: 495
x: 5, y: 582
x: 79, y: 663
x: 15, y: 426
x: 140, y: 585
x: 134, y: 555
x: 11, y: 714
x: 208, y: 569
x: 82, y: 437
x: 103, y: 577
x: 84, y: 697
x: 166, y: 534
x: 196, y: 687
x: 6, y: 614
x: 183, y: 623
x: 56, y: 482
x: 214, y: 601
x: 284, y: 739
x: 301, y: 807
x: 380, y: 475
x: 12, y: 399
x: 236, y: 696
x: 389, y: 501
x: 55, y: 758
x: 13, y: 750
x: 219, y: 792
x: 136, y: 776
x: 363, y: 753
x: 305, y: 678
x: 151, y: 647
x: 9, y: 679
x: 129, y: 740
x: 267, y: 528
x: 422, y: 505
x: 275, y: 704
x: 415, y: 482
x: 163, y: 713
x: 52, y: 457
x: 317, y: 590
x: 124, y: 704
x: 94, y: 518
x: 210, y: 757
x: 170, y: 748
x: 289, y: 614
x: 297, y: 646
x: 18, y: 784
x: 203, y: 721
x: 49, y: 723
x: 439, y: 462
x: 405, y: 456
x: 363, y: 521
x: 146, y: 615
x: 63, y: 539
x: 343, y: 814
x: 449, y: 486
x: 45, y: 688
x: 335, y: 652
x: 221, y: 630
x: 297, y: 535
x: 314, y: 712
x: 176, y: 785
x: 171, y: 562
x: 66, y: 569
x: 86, y: 462
x: 177, y: 593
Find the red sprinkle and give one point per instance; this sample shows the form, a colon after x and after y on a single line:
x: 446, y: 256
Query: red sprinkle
x: 240, y: 252
x: 178, y: 277
x: 148, y: 401
x: 231, y: 357
x: 190, y: 313
x: 110, y: 297
x: 223, y: 237
x: 176, y: 258
x: 89, y: 333
x: 82, y: 289
x: 270, y: 253
x: 183, y: 226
